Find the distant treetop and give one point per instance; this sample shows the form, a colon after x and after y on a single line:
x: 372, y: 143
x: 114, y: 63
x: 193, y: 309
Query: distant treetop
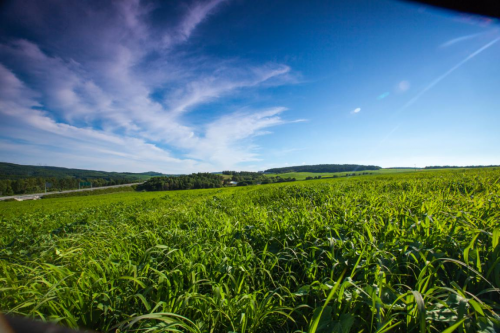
x: 323, y: 168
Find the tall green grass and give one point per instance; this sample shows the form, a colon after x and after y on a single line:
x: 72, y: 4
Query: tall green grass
x: 403, y: 253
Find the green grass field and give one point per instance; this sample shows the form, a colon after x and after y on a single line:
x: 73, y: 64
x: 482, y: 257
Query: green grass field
x: 76, y: 203
x: 407, y: 252
x: 304, y: 175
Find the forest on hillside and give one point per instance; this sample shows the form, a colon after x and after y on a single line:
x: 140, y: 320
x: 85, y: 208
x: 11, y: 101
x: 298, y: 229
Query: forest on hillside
x: 39, y: 184
x: 243, y: 178
x: 324, y: 168
x: 16, y: 171
x: 184, y: 182
x: 16, y: 179
x: 209, y: 180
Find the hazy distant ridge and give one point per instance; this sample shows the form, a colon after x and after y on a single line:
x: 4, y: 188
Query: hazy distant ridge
x: 17, y: 171
x: 460, y: 167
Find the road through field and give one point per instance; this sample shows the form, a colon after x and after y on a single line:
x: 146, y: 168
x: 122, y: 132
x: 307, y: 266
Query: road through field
x: 32, y: 196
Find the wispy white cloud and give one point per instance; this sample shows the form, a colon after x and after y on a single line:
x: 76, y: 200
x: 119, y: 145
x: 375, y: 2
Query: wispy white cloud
x: 224, y: 81
x: 356, y: 110
x: 124, y: 98
x: 34, y: 129
x: 462, y: 38
x: 227, y: 141
x: 197, y: 13
x: 127, y: 94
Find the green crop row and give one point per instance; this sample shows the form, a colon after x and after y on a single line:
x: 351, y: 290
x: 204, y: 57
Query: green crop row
x: 396, y: 253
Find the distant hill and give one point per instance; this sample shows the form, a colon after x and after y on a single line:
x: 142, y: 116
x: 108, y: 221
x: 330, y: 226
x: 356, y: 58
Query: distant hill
x: 324, y: 168
x: 460, y: 167
x: 16, y: 171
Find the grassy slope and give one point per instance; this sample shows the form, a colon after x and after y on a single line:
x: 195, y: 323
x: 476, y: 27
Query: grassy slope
x: 77, y: 203
x: 50, y: 205
x: 237, y: 259
x: 303, y: 175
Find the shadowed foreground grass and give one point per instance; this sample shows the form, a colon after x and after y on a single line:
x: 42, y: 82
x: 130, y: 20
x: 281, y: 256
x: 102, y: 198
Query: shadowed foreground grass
x: 402, y: 253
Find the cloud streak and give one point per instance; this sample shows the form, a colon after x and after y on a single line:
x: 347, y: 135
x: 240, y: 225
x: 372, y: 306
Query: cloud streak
x: 462, y: 38
x: 196, y: 15
x: 448, y: 72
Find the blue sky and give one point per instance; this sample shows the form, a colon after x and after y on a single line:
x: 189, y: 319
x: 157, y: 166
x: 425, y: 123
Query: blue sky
x: 182, y: 87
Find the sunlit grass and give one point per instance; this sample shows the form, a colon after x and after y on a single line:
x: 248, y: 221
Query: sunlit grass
x: 398, y: 253
x: 304, y: 175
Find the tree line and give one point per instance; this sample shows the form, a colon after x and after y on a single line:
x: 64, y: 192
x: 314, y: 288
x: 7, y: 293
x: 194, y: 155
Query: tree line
x: 324, y: 168
x: 38, y: 184
x: 242, y: 173
x: 209, y: 180
x: 338, y: 176
x: 253, y: 178
x: 265, y: 180
x: 16, y: 171
x: 245, y: 176
x: 184, y: 182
